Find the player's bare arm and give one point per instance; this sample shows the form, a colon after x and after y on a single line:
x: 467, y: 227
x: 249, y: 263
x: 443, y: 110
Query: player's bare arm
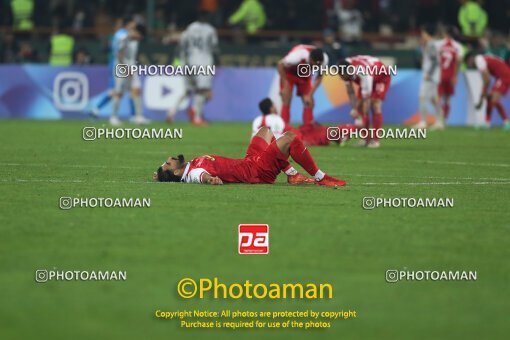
x: 316, y: 83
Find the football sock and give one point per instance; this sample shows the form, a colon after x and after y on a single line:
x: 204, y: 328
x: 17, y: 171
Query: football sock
x: 501, y: 110
x: 319, y: 175
x: 307, y: 115
x: 106, y: 99
x: 199, y: 102
x: 286, y: 113
x: 423, y: 110
x: 302, y: 156
x: 115, y: 106
x: 377, y: 123
x: 136, y: 103
x: 488, y: 111
x: 290, y: 171
x: 446, y: 110
x: 439, y: 113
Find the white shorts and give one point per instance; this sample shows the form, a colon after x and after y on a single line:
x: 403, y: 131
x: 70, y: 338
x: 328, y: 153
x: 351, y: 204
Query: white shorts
x: 199, y: 82
x: 428, y: 89
x: 129, y: 83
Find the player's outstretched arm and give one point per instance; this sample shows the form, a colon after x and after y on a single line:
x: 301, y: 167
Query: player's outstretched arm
x: 208, y: 179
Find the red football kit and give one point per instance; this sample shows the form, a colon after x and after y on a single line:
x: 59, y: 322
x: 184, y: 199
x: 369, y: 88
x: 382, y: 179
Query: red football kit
x: 262, y: 164
x: 498, y: 69
x: 299, y: 54
x: 450, y: 52
x: 375, y: 85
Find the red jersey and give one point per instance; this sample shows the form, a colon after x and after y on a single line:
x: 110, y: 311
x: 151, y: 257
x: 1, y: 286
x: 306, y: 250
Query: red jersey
x: 299, y: 54
x: 450, y: 52
x: 375, y: 81
x: 496, y: 67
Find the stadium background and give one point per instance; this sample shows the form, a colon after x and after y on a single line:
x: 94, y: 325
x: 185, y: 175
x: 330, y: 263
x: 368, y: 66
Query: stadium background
x: 316, y: 235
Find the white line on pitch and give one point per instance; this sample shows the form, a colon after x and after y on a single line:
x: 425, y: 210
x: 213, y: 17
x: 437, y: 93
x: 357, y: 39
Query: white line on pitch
x: 464, y: 163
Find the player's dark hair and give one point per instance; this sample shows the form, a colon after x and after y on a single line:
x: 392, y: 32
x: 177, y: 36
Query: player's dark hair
x: 429, y: 28
x: 265, y: 106
x: 167, y: 176
x: 317, y: 55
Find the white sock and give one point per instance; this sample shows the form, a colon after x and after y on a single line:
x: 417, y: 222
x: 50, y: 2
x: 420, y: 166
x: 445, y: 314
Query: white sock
x: 199, y: 102
x: 115, y: 106
x: 423, y: 110
x: 291, y: 171
x: 137, y: 101
x: 319, y: 175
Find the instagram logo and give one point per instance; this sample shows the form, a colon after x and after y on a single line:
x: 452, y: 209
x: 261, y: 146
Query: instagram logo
x: 122, y: 70
x: 304, y: 70
x: 333, y: 133
x: 70, y: 91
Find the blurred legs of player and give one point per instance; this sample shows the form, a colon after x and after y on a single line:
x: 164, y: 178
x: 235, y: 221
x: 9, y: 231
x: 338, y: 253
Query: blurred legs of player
x: 446, y: 90
x: 304, y: 90
x: 199, y: 100
x: 170, y: 116
x: 377, y: 120
x: 121, y: 85
x: 494, y: 101
x: 429, y: 94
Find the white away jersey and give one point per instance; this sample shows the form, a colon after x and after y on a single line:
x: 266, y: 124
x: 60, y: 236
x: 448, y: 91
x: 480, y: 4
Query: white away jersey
x: 198, y: 43
x: 430, y: 61
x: 273, y: 121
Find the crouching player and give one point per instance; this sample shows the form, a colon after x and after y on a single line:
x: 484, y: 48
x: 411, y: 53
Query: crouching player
x: 496, y: 67
x: 295, y: 70
x: 373, y: 83
x: 264, y: 160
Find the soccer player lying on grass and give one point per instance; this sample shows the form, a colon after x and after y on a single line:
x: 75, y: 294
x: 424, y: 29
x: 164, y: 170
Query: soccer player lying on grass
x: 264, y: 160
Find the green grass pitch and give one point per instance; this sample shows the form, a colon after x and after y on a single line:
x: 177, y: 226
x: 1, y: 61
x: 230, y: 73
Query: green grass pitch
x: 316, y: 235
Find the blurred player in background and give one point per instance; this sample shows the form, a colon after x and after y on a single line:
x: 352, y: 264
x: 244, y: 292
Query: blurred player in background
x: 371, y: 92
x: 301, y: 78
x: 497, y: 68
x: 111, y: 73
x: 198, y: 46
x: 265, y: 158
x: 450, y: 57
x: 125, y: 46
x: 311, y: 134
x: 430, y: 78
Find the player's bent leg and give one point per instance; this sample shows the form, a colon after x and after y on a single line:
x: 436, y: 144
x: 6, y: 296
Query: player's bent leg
x: 496, y: 103
x: 308, y: 105
x: 290, y: 144
x: 265, y: 133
